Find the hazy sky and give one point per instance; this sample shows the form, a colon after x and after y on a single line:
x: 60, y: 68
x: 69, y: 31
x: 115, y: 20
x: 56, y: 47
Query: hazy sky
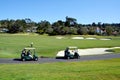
x: 85, y: 11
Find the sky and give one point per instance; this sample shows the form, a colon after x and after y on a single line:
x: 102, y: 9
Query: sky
x: 85, y: 11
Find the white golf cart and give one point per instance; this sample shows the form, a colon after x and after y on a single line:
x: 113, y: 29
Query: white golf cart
x: 69, y: 53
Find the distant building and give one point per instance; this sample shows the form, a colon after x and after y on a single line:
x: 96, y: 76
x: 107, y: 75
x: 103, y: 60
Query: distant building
x: 33, y: 29
x: 3, y: 30
x: 98, y: 30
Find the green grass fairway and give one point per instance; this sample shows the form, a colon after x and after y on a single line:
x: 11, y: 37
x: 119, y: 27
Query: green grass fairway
x: 12, y: 45
x: 88, y: 70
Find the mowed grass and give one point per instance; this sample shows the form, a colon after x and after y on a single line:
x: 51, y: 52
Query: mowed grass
x: 12, y: 45
x: 87, y: 70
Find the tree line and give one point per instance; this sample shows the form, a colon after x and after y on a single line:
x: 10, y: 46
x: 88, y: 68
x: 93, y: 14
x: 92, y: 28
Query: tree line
x: 69, y: 26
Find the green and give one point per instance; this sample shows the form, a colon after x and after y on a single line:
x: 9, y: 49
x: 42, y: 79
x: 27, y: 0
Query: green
x: 88, y: 70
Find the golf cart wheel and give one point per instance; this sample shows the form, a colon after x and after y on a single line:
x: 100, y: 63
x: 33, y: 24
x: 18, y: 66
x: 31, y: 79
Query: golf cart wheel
x: 68, y: 57
x: 78, y: 57
x: 23, y: 59
x: 36, y: 59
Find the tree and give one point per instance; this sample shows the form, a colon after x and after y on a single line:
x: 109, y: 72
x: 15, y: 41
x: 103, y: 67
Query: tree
x: 43, y: 27
x: 4, y: 23
x: 70, y: 22
x: 93, y: 24
x: 50, y: 31
x: 14, y: 28
x: 21, y: 24
x: 70, y: 26
x: 58, y: 27
x: 91, y: 31
x: 99, y: 24
x: 82, y: 31
x: 66, y: 30
x: 109, y: 30
x: 73, y: 30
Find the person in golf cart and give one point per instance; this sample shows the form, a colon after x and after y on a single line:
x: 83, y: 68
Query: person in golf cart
x: 29, y: 54
x: 23, y: 53
x: 67, y: 51
x: 76, y: 55
x: 72, y: 53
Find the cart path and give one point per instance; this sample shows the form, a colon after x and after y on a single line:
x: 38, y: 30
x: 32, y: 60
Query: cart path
x: 50, y: 60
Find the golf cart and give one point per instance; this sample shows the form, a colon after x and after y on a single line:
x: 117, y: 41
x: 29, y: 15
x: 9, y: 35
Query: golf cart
x: 69, y: 53
x: 29, y: 54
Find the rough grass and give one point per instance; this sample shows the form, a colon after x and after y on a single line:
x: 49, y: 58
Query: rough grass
x: 11, y: 45
x: 88, y: 70
x: 116, y: 50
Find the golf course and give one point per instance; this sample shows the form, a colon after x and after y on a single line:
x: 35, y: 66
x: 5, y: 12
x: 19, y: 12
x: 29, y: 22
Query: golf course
x: 11, y: 46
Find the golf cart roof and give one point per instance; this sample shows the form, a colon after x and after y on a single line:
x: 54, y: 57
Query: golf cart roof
x: 29, y: 48
x: 71, y: 47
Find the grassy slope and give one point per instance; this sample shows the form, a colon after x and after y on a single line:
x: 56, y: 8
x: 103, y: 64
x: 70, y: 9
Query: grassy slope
x: 88, y: 70
x: 116, y: 50
x: 11, y: 45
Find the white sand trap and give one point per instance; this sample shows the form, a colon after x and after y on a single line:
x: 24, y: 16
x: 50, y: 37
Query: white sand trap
x: 91, y: 51
x: 59, y: 37
x: 105, y: 39
x: 77, y: 37
x: 22, y: 34
x: 34, y: 34
x: 91, y: 38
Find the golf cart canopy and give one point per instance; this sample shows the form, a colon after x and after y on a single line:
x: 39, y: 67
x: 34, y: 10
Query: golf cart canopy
x: 71, y: 47
x: 29, y: 48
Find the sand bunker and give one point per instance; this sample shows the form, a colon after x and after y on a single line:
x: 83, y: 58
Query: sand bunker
x: 91, y: 38
x: 105, y: 39
x: 92, y: 51
x: 59, y: 37
x: 82, y: 38
x: 77, y: 38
